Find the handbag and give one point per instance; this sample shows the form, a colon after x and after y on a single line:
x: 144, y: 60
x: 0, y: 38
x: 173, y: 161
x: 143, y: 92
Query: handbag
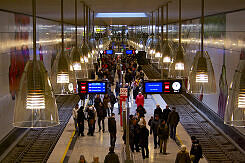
x: 192, y: 157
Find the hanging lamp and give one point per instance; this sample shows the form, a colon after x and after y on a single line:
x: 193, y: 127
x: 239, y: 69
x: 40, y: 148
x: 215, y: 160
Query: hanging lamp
x: 177, y: 67
x: 201, y: 77
x: 167, y: 49
x: 150, y: 45
x: 235, y: 108
x: 90, y: 64
x: 85, y: 49
x: 35, y: 105
x: 156, y: 43
x: 63, y: 77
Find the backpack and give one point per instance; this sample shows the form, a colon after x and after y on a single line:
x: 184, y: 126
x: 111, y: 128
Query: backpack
x: 90, y: 114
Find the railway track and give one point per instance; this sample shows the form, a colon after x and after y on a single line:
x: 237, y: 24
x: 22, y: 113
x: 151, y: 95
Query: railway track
x: 37, y: 144
x: 217, y: 147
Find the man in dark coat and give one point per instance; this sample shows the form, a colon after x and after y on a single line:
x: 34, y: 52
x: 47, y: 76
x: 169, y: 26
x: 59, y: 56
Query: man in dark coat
x: 112, y: 127
x: 112, y: 101
x: 143, y: 141
x: 141, y: 111
x: 80, y: 121
x: 158, y: 111
x: 163, y: 134
x: 165, y: 113
x: 173, y: 120
x: 154, y: 127
x: 91, y: 120
x: 97, y: 101
x: 101, y: 113
x: 196, y: 150
x: 111, y: 157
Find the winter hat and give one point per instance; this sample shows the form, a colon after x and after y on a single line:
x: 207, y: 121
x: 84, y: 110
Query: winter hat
x: 183, y: 148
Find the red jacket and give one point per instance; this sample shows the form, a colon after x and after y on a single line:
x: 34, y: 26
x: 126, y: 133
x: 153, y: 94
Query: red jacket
x: 139, y: 100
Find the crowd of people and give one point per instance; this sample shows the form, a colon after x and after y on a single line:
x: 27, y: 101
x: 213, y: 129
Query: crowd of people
x: 162, y: 124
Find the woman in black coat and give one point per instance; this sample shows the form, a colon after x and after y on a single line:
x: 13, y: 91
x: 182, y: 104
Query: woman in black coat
x: 143, y: 141
x: 80, y: 121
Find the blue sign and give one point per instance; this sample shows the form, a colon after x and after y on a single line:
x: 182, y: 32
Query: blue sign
x: 94, y: 87
x: 129, y: 51
x: 163, y: 86
x: 109, y: 51
x: 153, y: 87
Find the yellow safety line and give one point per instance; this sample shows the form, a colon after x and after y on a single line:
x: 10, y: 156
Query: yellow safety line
x: 181, y: 143
x: 67, y: 147
x: 69, y: 143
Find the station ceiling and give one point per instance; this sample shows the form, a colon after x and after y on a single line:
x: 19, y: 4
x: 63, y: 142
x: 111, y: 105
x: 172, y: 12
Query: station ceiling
x: 190, y: 9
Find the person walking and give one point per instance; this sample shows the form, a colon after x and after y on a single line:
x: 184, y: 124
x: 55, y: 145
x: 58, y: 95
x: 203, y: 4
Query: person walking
x: 173, y: 120
x: 112, y: 101
x: 154, y: 127
x: 165, y: 113
x: 143, y: 140
x: 74, y: 115
x: 91, y: 120
x: 80, y: 121
x: 111, y: 157
x: 158, y: 111
x: 183, y: 156
x: 163, y: 134
x: 112, y: 127
x: 141, y: 111
x: 97, y: 101
x: 196, y: 150
x: 139, y: 100
x: 101, y: 114
x: 106, y: 103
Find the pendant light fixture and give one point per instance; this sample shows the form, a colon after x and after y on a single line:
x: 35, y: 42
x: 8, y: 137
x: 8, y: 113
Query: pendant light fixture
x: 177, y: 68
x: 78, y: 62
x: 150, y: 47
x: 156, y: 42
x: 201, y: 77
x: 167, y: 49
x: 85, y: 48
x: 235, y: 108
x: 63, y: 77
x: 35, y: 105
x: 90, y: 64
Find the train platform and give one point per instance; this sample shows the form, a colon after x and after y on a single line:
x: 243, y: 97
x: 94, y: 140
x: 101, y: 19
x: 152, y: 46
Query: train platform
x: 69, y: 147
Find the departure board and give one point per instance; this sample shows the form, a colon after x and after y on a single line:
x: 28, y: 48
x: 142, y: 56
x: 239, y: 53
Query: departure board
x: 98, y: 88
x: 92, y: 87
x: 163, y: 86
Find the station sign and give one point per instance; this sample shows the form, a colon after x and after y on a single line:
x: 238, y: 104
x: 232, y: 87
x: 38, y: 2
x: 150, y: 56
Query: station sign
x: 92, y: 87
x: 162, y: 86
x: 123, y: 94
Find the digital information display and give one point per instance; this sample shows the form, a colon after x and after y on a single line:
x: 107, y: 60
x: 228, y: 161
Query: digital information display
x: 163, y: 87
x: 155, y: 87
x: 108, y: 51
x: 129, y: 51
x: 92, y: 87
x: 96, y: 88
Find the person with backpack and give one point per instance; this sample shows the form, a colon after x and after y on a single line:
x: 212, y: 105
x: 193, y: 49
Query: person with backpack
x: 196, y: 150
x: 91, y: 120
x: 143, y: 140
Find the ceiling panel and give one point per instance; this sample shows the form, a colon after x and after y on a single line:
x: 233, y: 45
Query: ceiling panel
x: 190, y: 8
